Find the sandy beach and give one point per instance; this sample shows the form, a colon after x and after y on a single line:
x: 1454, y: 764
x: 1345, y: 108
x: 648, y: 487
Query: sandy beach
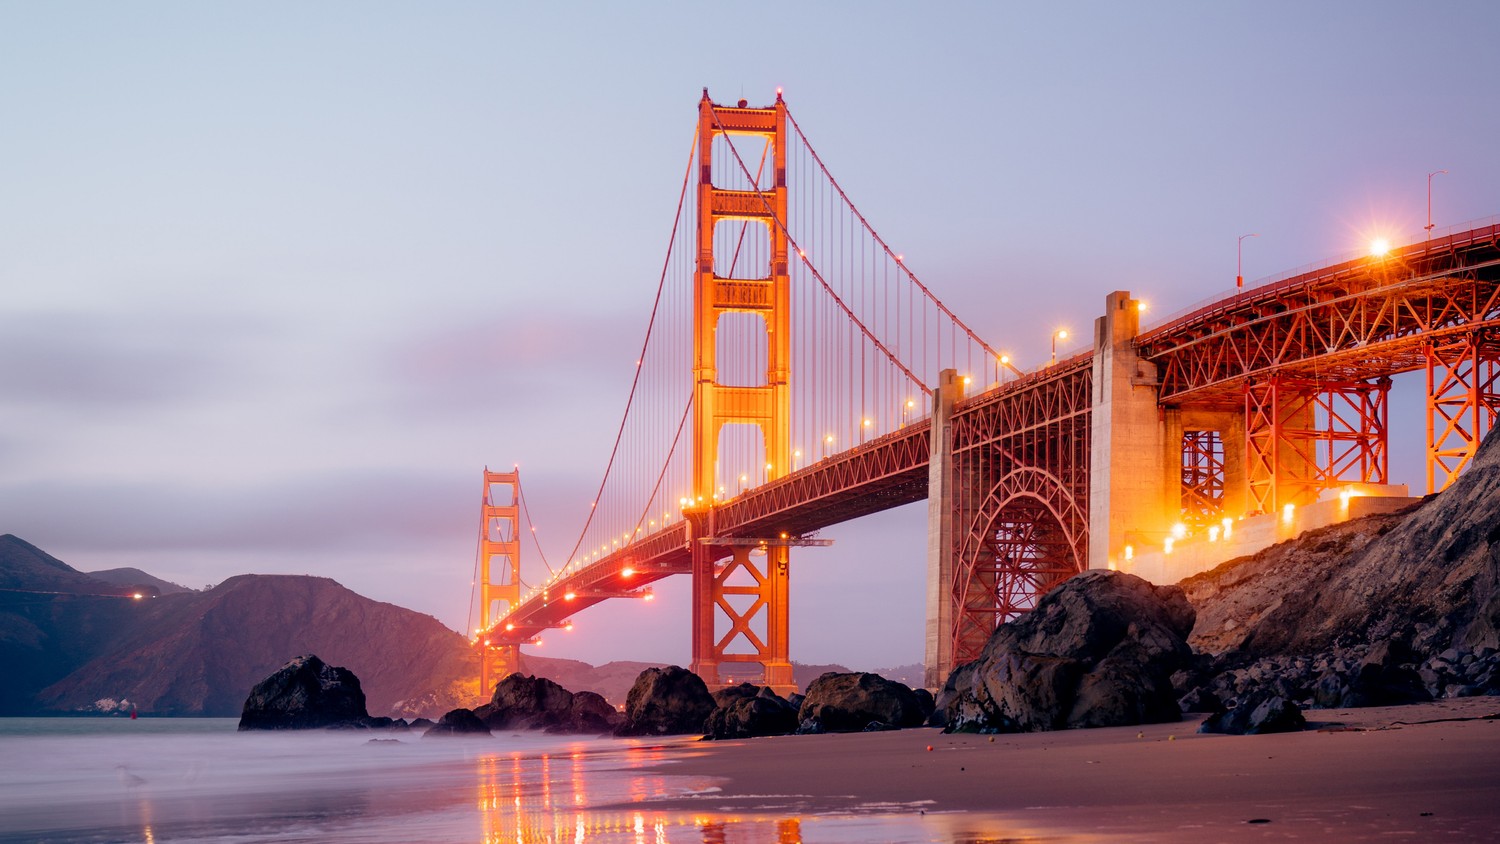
x: 1419, y: 772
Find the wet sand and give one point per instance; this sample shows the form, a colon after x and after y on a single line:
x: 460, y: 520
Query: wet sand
x: 1395, y: 773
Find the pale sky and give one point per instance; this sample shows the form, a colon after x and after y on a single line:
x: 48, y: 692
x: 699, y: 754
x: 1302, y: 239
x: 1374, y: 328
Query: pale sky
x: 278, y: 279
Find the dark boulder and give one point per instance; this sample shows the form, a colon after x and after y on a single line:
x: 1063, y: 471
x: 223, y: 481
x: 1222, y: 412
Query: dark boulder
x: 1386, y: 678
x: 729, y: 694
x: 1200, y: 700
x: 1259, y: 713
x: 521, y: 702
x: 306, y: 693
x: 422, y: 723
x: 763, y: 714
x: 666, y: 701
x: 848, y: 703
x: 590, y: 713
x: 458, y: 722
x: 1099, y: 650
x: 925, y: 701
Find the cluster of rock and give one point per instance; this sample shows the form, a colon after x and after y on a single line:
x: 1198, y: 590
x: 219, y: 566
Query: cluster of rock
x: 673, y: 700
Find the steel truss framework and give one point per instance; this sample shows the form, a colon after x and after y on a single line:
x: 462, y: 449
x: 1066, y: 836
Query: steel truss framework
x: 1021, y: 464
x: 1202, y: 477
x: 1306, y: 435
x: 1356, y: 321
x: 1463, y: 401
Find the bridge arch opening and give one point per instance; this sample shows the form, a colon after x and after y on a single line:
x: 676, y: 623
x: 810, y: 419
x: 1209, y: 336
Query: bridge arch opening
x: 1029, y: 535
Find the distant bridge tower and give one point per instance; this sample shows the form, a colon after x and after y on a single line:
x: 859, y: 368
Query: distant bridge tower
x: 499, y: 572
x: 752, y: 594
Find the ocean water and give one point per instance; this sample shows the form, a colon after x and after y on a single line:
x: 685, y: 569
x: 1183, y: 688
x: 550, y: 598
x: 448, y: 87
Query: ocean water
x: 180, y: 780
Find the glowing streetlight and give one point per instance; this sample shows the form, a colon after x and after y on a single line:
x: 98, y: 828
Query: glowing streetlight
x: 1429, y: 198
x: 1059, y: 334
x: 1239, y: 261
x: 1379, y: 247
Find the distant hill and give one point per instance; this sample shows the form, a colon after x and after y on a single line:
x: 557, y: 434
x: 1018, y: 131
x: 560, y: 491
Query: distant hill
x: 132, y: 578
x: 69, y: 641
x: 24, y: 566
x: 200, y: 653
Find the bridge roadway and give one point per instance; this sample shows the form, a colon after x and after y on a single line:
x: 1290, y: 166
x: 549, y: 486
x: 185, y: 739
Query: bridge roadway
x: 1363, y: 319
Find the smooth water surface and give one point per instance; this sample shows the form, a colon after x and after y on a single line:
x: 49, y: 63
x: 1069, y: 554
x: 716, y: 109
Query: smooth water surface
x: 74, y: 780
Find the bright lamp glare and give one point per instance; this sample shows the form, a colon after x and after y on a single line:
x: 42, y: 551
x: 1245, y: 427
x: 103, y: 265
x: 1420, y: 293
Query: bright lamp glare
x: 1379, y: 247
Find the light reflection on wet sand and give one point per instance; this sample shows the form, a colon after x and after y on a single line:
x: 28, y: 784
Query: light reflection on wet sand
x: 158, y: 786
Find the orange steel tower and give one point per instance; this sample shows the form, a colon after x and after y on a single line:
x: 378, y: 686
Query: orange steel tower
x: 750, y: 593
x: 499, y: 572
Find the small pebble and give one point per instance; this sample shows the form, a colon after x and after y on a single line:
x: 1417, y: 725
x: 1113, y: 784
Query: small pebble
x: 929, y: 748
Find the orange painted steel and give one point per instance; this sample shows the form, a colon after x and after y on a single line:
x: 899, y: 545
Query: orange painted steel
x: 1021, y: 497
x: 750, y: 594
x: 1308, y: 361
x: 1202, y: 477
x: 1303, y: 364
x: 499, y: 572
x: 1463, y: 400
x: 1306, y: 435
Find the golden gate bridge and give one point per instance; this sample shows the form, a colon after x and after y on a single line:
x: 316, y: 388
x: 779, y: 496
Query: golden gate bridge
x: 796, y: 374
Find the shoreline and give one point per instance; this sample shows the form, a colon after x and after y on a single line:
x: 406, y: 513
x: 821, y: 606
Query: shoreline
x: 1421, y: 770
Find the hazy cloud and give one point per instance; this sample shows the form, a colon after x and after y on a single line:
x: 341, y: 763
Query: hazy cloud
x: 86, y: 361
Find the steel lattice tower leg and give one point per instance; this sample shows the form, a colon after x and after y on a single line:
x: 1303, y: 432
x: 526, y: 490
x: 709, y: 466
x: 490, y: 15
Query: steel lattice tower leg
x: 1463, y: 401
x: 759, y: 582
x: 1303, y: 436
x: 1202, y: 477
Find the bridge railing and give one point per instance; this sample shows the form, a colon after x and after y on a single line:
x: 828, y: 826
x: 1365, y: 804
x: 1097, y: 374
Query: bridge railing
x: 1328, y: 266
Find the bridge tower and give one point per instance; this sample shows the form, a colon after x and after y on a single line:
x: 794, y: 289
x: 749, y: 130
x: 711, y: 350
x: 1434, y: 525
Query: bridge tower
x: 750, y: 590
x: 499, y: 572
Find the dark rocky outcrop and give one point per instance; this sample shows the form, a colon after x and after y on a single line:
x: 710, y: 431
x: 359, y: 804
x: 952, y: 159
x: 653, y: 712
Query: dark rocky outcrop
x: 848, y: 703
x: 457, y: 722
x: 1263, y: 712
x: 591, y: 713
x: 761, y: 713
x: 666, y: 701
x: 1099, y: 650
x: 1389, y: 609
x: 306, y: 693
x: 522, y: 702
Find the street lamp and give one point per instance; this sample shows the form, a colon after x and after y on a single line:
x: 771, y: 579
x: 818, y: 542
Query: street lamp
x: 1429, y: 199
x: 1239, y: 261
x: 1059, y: 334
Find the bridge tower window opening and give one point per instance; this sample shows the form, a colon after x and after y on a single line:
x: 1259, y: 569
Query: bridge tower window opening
x: 741, y: 340
x: 741, y: 462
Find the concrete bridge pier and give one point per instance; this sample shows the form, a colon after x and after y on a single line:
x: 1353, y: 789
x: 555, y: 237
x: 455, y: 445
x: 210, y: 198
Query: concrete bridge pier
x: 940, y: 532
x: 1135, y: 470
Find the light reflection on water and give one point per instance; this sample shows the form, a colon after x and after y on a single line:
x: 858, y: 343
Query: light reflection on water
x: 184, y: 781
